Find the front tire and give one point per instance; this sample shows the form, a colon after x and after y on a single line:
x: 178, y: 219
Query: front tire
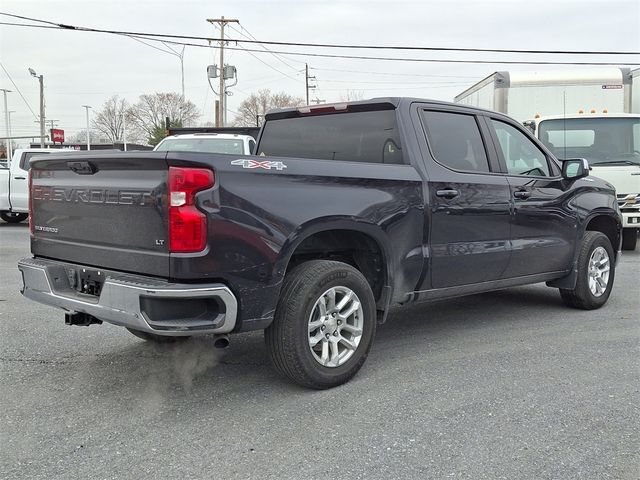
x: 12, y: 217
x: 629, y: 238
x: 596, y: 272
x: 324, y: 324
x: 152, y: 337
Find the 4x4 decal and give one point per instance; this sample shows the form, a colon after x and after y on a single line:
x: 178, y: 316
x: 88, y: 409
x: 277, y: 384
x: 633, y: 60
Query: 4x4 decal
x: 266, y: 164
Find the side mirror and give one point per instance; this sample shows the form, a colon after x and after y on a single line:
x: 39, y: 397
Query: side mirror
x: 531, y: 125
x: 575, y: 168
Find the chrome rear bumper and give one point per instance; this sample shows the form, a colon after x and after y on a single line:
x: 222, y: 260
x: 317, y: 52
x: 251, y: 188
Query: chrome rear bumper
x: 137, y: 302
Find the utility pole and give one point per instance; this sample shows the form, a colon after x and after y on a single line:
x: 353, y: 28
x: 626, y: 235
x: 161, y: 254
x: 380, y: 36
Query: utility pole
x: 42, y: 117
x: 6, y: 124
x: 87, y: 107
x: 308, y: 77
x: 221, y: 108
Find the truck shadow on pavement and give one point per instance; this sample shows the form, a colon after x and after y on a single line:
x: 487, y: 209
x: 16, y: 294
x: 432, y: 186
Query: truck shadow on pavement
x: 158, y: 376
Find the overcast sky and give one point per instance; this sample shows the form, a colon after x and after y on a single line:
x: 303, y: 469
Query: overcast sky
x: 88, y: 68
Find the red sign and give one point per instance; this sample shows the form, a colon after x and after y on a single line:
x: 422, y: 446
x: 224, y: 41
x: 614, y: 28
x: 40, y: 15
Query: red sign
x: 57, y: 135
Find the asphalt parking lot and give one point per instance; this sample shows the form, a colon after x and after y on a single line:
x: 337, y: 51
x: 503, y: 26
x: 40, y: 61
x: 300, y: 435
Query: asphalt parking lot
x: 506, y: 385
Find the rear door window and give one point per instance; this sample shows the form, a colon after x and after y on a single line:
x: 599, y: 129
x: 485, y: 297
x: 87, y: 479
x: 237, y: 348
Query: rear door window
x: 370, y: 137
x: 455, y: 141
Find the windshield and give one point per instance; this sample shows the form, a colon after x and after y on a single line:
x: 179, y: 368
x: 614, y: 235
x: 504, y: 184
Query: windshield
x: 599, y: 140
x: 202, y: 145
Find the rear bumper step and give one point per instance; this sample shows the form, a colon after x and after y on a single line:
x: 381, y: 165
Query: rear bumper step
x: 137, y: 302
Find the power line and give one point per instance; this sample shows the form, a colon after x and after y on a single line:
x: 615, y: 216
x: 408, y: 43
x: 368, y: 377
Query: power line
x: 19, y: 92
x: 419, y: 60
x: 349, y: 57
x: 277, y: 57
x: 394, y: 74
x: 379, y: 89
x: 262, y: 61
x: 373, y: 82
x: 325, y: 45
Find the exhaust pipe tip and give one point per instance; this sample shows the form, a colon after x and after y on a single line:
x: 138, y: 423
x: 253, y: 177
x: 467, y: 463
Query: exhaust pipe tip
x: 221, y: 341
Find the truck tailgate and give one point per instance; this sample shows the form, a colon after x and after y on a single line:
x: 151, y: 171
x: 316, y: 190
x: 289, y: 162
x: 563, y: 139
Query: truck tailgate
x: 102, y: 210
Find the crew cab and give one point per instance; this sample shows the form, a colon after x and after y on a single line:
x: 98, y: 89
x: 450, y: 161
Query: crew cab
x: 13, y: 184
x: 344, y: 211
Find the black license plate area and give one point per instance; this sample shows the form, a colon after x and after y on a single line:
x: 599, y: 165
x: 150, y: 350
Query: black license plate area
x: 86, y: 280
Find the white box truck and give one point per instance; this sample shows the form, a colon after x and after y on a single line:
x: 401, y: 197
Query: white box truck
x: 523, y: 95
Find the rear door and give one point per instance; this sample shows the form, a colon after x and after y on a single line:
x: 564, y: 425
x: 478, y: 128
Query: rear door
x: 467, y: 202
x: 543, y: 233
x: 105, y: 210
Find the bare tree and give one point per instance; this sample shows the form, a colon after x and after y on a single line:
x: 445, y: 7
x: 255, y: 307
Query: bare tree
x: 109, y: 120
x: 80, y: 137
x: 352, y: 96
x: 149, y: 112
x: 254, y: 107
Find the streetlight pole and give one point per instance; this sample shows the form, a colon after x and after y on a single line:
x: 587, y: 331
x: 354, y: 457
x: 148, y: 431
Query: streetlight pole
x: 6, y: 125
x: 42, y: 117
x: 124, y: 132
x: 87, y: 107
x: 10, y: 148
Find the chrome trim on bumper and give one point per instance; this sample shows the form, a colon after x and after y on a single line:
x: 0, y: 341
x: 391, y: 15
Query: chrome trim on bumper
x: 46, y: 281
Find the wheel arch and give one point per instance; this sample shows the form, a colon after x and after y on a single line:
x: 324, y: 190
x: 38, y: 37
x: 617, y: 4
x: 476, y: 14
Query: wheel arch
x: 605, y: 222
x: 608, y: 225
x: 333, y: 240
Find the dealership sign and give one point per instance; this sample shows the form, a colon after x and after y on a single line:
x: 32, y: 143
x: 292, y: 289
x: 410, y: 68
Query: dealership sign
x: 57, y: 135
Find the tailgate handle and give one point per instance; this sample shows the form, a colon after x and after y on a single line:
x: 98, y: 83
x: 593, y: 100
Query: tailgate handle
x: 82, y: 168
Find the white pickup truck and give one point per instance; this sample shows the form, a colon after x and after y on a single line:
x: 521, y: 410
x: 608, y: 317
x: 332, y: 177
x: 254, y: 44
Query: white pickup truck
x: 611, y: 144
x: 229, y: 143
x: 14, y: 197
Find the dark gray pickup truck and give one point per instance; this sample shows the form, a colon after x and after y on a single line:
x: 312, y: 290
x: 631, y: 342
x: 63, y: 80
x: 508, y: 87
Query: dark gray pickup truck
x: 346, y: 210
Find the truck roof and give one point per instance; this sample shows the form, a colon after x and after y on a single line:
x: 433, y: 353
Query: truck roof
x: 224, y: 136
x: 382, y: 102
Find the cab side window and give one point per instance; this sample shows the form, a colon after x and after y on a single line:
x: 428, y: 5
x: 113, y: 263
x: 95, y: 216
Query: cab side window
x: 455, y: 141
x: 521, y: 155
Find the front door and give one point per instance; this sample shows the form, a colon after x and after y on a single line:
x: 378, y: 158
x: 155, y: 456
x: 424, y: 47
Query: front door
x: 543, y: 233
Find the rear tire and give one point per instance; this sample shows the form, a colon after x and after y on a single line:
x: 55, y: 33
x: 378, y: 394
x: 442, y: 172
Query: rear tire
x: 629, y: 238
x: 596, y: 273
x: 12, y: 217
x: 152, y: 337
x: 324, y: 324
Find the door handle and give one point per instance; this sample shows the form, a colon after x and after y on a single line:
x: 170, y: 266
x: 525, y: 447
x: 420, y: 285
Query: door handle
x: 19, y: 178
x: 448, y: 193
x: 523, y: 194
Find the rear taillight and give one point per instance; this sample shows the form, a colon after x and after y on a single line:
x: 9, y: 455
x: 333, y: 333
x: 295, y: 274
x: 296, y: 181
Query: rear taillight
x: 30, y: 196
x: 187, y: 224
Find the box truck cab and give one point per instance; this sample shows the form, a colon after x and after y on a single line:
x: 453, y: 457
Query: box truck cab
x: 611, y: 144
